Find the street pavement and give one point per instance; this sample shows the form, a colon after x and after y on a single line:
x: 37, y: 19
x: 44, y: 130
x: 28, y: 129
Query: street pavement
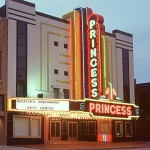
x: 78, y: 145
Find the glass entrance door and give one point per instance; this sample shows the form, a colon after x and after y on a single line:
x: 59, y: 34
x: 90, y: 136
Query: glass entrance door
x: 55, y: 130
x: 73, y: 131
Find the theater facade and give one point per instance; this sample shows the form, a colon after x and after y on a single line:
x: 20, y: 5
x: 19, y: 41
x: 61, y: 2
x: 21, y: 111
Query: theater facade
x: 67, y: 79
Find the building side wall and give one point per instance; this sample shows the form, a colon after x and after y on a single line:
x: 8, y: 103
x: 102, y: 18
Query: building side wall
x: 131, y: 75
x: 119, y: 73
x: 112, y: 62
x: 11, y: 92
x: 125, y: 42
x: 142, y: 97
x: 32, y: 52
x: 3, y: 80
x: 16, y: 11
x: 48, y: 57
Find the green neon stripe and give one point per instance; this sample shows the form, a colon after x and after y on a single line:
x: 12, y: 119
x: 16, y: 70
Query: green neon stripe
x: 104, y: 62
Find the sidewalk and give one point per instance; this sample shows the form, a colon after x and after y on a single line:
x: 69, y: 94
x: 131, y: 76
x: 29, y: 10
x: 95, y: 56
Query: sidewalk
x: 78, y: 145
x: 4, y: 147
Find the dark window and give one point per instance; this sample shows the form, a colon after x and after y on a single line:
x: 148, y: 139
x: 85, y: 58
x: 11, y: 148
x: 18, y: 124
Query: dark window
x: 56, y: 92
x: 0, y: 65
x: 83, y: 127
x: 1, y: 102
x: 22, y: 51
x: 66, y: 73
x: 55, y: 43
x: 66, y: 93
x: 21, y: 74
x: 22, y: 63
x: 22, y: 27
x: 21, y: 78
x: 22, y: 39
x: 126, y: 82
x: 91, y: 127
x: 128, y: 129
x: 55, y: 71
x: 119, y: 128
x: 65, y: 45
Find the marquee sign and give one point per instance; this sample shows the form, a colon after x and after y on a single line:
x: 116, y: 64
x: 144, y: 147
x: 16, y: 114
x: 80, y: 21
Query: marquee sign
x: 46, y: 105
x: 106, y: 109
x: 93, y: 64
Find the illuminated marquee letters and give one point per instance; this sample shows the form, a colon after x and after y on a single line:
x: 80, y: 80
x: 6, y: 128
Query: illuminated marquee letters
x: 93, y: 57
x: 112, y: 109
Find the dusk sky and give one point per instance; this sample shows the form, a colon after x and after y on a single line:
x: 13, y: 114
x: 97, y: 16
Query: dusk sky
x: 132, y: 16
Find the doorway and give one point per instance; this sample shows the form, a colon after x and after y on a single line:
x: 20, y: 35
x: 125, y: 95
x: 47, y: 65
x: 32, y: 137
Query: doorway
x: 72, y: 131
x: 105, y: 130
x: 55, y: 130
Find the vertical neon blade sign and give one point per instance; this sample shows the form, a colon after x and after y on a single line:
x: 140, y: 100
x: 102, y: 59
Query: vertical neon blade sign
x: 93, y: 48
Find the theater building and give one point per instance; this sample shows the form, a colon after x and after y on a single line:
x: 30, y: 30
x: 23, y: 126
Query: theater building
x: 65, y: 79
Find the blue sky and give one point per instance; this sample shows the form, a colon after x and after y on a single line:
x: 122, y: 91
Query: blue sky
x: 127, y: 15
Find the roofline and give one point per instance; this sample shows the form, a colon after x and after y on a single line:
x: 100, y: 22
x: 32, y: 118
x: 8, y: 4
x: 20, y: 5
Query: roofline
x: 24, y: 2
x: 51, y: 17
x: 122, y: 32
x: 143, y: 84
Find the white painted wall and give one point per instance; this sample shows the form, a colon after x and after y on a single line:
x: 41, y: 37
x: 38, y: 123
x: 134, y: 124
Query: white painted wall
x: 125, y: 43
x: 46, y: 32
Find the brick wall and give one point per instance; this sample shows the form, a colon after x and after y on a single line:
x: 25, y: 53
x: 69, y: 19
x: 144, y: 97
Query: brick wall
x: 3, y: 79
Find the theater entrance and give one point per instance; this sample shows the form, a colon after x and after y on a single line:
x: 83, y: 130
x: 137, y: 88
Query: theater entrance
x: 72, y: 131
x: 105, y: 130
x: 55, y: 130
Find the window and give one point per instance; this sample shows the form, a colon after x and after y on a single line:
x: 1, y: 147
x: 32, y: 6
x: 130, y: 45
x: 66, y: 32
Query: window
x: 21, y: 78
x: 65, y: 45
x: 126, y: 82
x: 55, y: 71
x: 0, y: 65
x: 128, y: 129
x: 1, y: 102
x: 91, y: 127
x: 119, y: 128
x: 66, y: 73
x: 66, y: 93
x: 24, y: 126
x: 55, y: 43
x: 21, y: 126
x: 56, y: 92
x: 83, y: 127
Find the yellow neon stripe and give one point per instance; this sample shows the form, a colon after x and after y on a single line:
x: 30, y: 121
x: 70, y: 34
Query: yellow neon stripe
x: 104, y: 55
x: 75, y: 54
